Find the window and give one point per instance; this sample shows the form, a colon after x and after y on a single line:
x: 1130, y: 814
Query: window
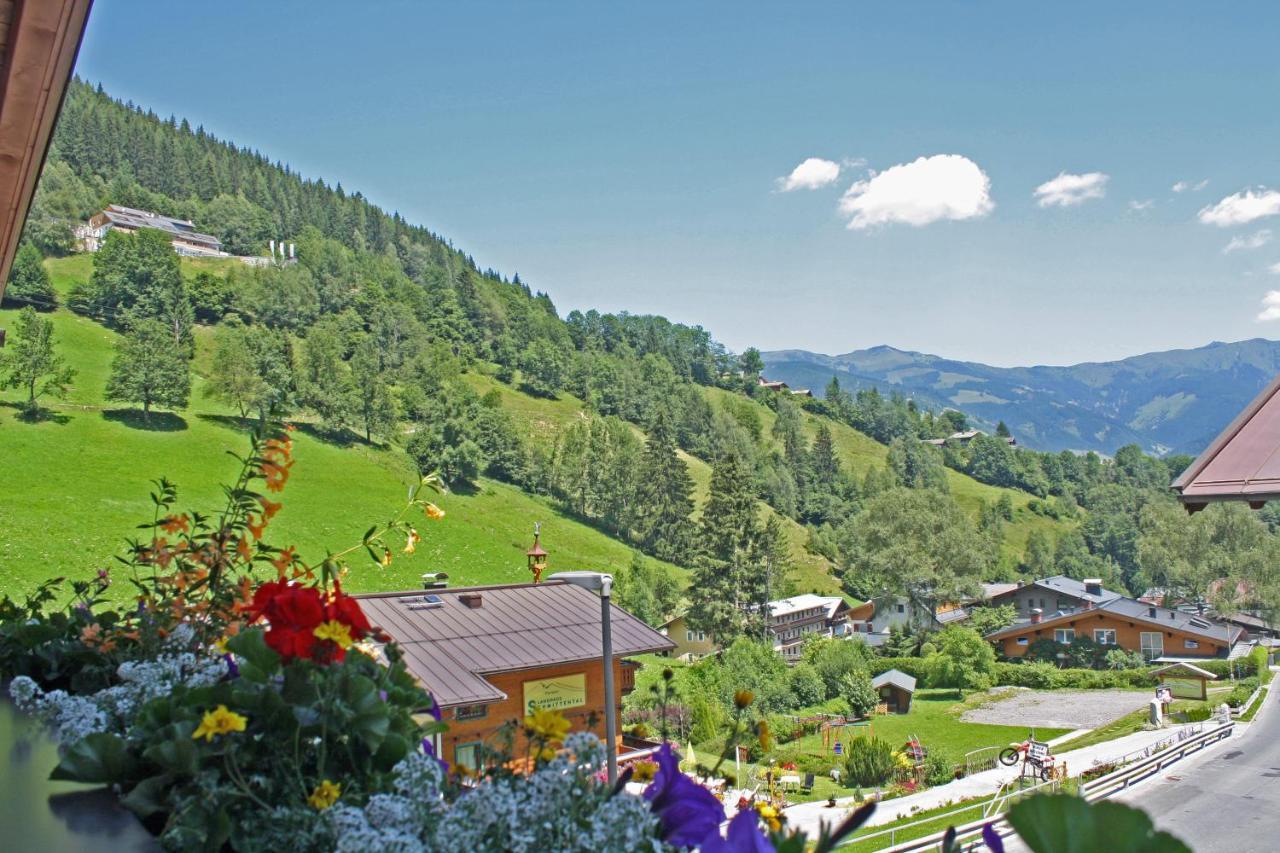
x: 902, y: 608
x: 471, y: 712
x: 1022, y: 641
x: 1190, y: 644
x: 467, y: 755
x: 1104, y: 636
x: 1152, y: 644
x: 1064, y: 635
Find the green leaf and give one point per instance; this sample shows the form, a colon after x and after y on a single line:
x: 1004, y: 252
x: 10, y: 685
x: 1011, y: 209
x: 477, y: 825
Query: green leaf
x: 1062, y: 823
x: 175, y: 753
x: 371, y: 728
x: 393, y: 749
x: 150, y: 796
x: 255, y: 655
x: 99, y: 758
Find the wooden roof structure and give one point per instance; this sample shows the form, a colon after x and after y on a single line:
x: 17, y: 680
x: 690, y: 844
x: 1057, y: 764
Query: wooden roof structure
x: 39, y: 40
x: 1243, y: 462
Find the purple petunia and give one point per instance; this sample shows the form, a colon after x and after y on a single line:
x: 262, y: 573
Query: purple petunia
x: 744, y: 836
x: 687, y: 811
x: 233, y: 670
x: 992, y: 838
x: 429, y: 748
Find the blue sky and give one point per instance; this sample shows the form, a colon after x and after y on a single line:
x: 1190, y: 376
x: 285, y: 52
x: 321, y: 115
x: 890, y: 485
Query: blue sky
x: 630, y: 158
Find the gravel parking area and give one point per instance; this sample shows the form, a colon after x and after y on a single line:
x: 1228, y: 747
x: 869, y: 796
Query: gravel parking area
x: 1059, y: 709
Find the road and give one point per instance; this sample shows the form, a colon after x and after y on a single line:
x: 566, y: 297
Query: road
x: 1227, y: 799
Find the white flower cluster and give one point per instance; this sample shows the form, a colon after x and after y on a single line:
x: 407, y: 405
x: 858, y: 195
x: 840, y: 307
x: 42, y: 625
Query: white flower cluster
x: 560, y: 807
x: 563, y: 806
x: 69, y: 718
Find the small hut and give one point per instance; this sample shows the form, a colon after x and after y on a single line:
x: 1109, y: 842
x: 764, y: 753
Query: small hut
x: 1185, y: 680
x: 895, y: 689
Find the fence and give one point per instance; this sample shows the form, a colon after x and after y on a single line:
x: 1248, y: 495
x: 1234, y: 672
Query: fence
x: 985, y: 758
x: 1098, y: 789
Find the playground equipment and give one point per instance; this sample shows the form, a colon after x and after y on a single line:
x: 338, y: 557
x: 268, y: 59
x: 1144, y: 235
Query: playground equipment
x: 839, y: 730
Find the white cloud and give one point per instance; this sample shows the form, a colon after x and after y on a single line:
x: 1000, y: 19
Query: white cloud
x: 810, y: 175
x: 1139, y: 206
x: 1242, y: 207
x: 1187, y: 186
x: 944, y: 186
x: 1068, y: 190
x: 1270, y: 307
x: 1274, y: 269
x: 1256, y: 240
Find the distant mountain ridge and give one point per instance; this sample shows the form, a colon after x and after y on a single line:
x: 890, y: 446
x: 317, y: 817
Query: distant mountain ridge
x: 1174, y: 401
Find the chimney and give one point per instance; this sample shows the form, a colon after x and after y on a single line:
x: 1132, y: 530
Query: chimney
x: 1036, y: 615
x: 1093, y: 586
x: 472, y: 600
x: 1088, y: 605
x: 1151, y: 612
x: 435, y: 580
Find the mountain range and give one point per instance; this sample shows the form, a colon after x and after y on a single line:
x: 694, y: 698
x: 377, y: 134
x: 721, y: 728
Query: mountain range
x: 1166, y: 402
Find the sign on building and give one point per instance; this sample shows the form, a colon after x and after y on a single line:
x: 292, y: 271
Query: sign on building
x: 554, y: 694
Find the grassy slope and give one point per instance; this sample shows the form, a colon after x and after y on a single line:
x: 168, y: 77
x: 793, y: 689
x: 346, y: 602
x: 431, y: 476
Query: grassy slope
x: 76, y: 486
x: 860, y: 452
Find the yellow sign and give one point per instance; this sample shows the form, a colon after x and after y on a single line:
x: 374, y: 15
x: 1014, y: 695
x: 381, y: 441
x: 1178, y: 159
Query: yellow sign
x: 1187, y: 688
x: 554, y: 694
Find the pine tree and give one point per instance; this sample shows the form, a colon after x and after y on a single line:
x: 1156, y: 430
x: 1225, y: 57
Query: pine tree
x: 664, y: 498
x: 149, y: 369
x: 29, y: 282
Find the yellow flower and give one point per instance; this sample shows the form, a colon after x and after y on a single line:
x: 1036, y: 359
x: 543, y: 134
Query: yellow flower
x: 219, y: 721
x: 762, y: 734
x: 433, y: 512
x: 386, y: 557
x: 325, y: 795
x: 411, y: 541
x: 335, y: 632
x: 644, y: 771
x: 546, y: 725
x: 770, y: 816
x: 743, y: 698
x: 220, y: 645
x: 546, y: 753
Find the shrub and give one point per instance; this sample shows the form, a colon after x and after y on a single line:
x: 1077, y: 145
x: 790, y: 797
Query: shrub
x: 939, y: 769
x: 1258, y: 659
x: 1199, y: 715
x: 807, y: 687
x: 870, y: 761
x: 913, y: 667
x: 1041, y: 676
x: 1123, y: 659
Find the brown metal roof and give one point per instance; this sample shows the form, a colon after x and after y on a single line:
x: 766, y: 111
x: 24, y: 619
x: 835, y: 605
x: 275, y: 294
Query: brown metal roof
x: 449, y: 646
x: 1243, y: 462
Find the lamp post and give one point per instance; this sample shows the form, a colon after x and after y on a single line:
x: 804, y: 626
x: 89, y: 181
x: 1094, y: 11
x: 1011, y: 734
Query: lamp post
x: 602, y: 583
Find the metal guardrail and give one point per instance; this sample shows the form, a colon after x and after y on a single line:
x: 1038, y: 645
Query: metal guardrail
x: 1098, y: 789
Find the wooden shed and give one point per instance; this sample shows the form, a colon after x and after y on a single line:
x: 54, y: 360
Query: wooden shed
x: 1185, y: 680
x: 895, y: 689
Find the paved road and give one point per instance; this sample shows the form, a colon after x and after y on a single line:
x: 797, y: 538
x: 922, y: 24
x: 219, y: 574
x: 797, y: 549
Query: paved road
x: 1226, y: 800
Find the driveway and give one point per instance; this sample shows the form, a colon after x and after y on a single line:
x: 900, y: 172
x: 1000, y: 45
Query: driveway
x: 1059, y: 709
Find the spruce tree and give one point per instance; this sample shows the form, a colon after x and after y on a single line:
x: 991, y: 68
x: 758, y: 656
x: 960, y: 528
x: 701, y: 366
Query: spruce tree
x: 664, y: 499
x: 728, y: 584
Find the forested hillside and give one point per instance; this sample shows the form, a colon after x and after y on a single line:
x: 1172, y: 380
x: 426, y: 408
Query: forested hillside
x: 398, y: 355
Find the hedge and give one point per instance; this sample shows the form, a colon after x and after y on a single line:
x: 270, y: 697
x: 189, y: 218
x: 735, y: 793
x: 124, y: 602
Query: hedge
x: 911, y: 666
x: 1044, y: 676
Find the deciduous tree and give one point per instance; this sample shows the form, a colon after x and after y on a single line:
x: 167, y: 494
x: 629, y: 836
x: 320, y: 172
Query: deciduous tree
x: 31, y: 363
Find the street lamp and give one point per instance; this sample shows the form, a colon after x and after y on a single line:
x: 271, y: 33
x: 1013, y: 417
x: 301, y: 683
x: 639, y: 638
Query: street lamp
x: 602, y: 583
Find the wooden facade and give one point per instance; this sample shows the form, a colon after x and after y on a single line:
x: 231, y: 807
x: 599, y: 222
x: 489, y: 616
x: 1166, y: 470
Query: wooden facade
x: 1148, y: 637
x: 471, y: 725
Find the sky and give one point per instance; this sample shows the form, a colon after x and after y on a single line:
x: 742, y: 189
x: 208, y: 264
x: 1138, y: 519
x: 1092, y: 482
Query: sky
x: 1010, y: 183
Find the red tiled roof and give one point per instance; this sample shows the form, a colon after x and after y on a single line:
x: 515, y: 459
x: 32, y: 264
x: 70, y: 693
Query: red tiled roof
x: 1243, y: 462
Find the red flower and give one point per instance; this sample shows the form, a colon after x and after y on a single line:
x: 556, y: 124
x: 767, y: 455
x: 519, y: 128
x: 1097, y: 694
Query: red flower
x: 292, y: 613
x: 345, y: 609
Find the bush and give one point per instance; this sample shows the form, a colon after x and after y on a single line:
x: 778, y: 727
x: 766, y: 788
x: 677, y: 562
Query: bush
x: 939, y: 769
x: 1122, y: 659
x: 870, y: 761
x: 1258, y: 659
x: 1199, y: 715
x: 807, y: 687
x: 913, y: 667
x: 1046, y: 676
